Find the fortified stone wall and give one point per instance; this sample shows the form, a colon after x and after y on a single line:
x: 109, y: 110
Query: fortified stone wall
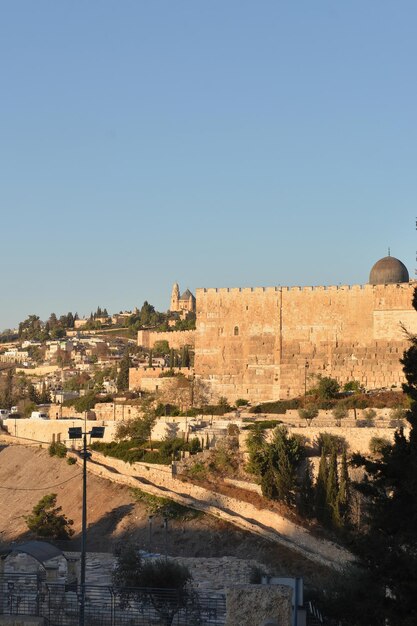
x: 146, y: 378
x: 176, y: 338
x: 270, y: 343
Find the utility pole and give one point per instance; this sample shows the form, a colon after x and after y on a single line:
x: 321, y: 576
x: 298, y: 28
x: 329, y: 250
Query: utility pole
x: 77, y: 433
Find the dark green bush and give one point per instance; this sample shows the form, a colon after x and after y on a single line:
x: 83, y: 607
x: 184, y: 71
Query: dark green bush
x: 279, y: 406
x: 378, y: 444
x: 262, y: 425
x: 57, y: 449
x: 328, y: 442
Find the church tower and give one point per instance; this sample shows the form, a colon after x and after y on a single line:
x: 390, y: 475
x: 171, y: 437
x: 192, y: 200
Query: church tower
x: 175, y: 298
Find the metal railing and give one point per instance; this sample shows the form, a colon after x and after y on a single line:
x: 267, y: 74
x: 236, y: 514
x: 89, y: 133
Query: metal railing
x: 59, y: 604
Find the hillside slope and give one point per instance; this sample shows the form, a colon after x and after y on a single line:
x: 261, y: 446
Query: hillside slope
x: 27, y: 473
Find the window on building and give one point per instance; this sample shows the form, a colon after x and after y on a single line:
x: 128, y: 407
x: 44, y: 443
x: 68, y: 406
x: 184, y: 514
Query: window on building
x: 236, y: 331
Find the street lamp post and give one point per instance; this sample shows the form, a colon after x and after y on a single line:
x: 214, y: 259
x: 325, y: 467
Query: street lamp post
x: 306, y: 366
x: 97, y: 432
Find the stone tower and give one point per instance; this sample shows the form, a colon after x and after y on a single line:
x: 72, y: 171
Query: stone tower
x: 175, y: 298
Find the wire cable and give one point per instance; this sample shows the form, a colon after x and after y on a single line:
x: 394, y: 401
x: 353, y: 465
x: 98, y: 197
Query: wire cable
x: 40, y: 488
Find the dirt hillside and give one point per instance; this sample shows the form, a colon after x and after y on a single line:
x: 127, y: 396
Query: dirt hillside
x: 28, y: 473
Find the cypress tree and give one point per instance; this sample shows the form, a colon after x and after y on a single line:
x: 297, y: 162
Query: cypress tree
x: 123, y: 376
x: 344, y: 490
x: 321, y: 489
x: 8, y: 391
x: 389, y: 547
x: 306, y: 491
x: 332, y: 491
x: 285, y: 468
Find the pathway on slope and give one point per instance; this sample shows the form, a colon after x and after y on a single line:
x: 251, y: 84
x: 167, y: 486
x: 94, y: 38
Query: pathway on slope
x: 263, y: 522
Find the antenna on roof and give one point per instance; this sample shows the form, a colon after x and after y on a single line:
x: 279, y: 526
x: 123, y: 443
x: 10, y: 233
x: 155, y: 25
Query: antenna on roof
x: 389, y: 251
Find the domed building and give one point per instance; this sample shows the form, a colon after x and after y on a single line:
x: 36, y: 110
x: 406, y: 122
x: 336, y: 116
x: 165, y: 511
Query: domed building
x: 181, y: 303
x: 388, y: 271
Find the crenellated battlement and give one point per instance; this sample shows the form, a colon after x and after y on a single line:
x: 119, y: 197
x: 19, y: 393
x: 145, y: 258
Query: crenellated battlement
x: 208, y: 291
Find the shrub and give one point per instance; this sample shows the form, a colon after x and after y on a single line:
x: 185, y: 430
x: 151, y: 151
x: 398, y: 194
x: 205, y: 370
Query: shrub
x: 167, y: 374
x: 232, y: 430
x: 328, y: 442
x: 352, y: 385
x: 46, y: 519
x: 378, y: 444
x: 279, y: 406
x: 71, y: 460
x: 340, y: 412
x: 223, y: 461
x: 327, y: 388
x: 308, y: 413
x: 194, y: 446
x: 198, y: 471
x: 262, y: 425
x: 398, y: 414
x: 241, y: 402
x: 57, y: 449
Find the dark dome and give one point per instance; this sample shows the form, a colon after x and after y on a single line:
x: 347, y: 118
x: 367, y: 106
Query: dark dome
x: 387, y: 271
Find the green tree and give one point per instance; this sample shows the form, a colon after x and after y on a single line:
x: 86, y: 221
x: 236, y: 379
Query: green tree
x: 285, y: 456
x: 305, y: 500
x: 8, y: 390
x: 344, y: 490
x: 128, y: 567
x: 340, y: 412
x: 163, y: 583
x: 321, y: 489
x: 138, y: 429
x: 185, y: 357
x: 32, y: 394
x: 327, y: 388
x: 388, y: 548
x: 123, y: 376
x: 47, y: 520
x: 161, y: 348
x: 84, y: 403
x: 45, y: 396
x: 332, y: 491
x: 258, y: 452
x: 308, y: 413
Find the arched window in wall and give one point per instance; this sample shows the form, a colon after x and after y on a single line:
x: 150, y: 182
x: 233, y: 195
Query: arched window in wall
x: 236, y: 331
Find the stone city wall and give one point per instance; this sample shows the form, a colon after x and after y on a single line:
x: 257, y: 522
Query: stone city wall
x: 270, y: 343
x: 176, y: 338
x: 148, y: 378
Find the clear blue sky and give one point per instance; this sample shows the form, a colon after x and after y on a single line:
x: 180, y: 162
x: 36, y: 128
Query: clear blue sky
x: 209, y: 142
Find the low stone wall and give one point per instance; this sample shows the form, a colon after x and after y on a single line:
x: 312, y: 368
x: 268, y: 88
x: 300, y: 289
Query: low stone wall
x: 107, y: 411
x: 47, y: 431
x: 358, y: 439
x: 158, y: 480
